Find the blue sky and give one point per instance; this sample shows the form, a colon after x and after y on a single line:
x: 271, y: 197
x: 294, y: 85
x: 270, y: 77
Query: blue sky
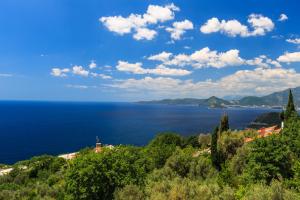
x: 130, y: 50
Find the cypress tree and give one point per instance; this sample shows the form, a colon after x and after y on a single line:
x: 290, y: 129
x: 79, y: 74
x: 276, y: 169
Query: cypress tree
x: 224, y: 124
x: 214, y: 148
x: 290, y: 108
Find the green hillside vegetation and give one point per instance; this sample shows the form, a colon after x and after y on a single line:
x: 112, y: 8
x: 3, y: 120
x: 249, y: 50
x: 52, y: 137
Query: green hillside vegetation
x: 170, y: 167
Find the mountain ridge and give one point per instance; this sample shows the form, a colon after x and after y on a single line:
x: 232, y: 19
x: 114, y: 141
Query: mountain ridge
x: 274, y: 99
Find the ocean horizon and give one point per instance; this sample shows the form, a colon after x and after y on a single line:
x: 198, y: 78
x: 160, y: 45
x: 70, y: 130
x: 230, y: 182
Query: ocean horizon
x: 32, y: 128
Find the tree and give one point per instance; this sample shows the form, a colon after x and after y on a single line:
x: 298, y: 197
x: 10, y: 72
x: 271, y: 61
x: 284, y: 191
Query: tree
x: 180, y: 161
x: 96, y: 176
x: 270, y: 158
x: 191, y: 141
x: 290, y: 108
x: 161, y: 148
x: 224, y: 124
x: 214, y: 148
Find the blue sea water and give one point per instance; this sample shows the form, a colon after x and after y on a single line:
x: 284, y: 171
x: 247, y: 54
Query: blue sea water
x: 34, y: 128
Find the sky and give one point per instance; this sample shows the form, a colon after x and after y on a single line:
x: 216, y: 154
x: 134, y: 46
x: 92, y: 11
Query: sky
x: 131, y: 50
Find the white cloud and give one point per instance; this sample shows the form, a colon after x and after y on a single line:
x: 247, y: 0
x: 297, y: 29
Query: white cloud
x: 77, y: 86
x: 289, y: 57
x: 138, y: 23
x: 260, y: 25
x: 243, y: 82
x: 263, y: 62
x: 163, y: 56
x: 103, y: 76
x: 144, y: 34
x: 165, y: 71
x: 283, y: 17
x: 92, y: 65
x: 157, y: 14
x: 179, y: 28
x: 117, y: 24
x: 79, y: 70
x: 201, y: 58
x: 136, y: 68
x: 209, y: 58
x: 294, y: 41
x: 230, y: 27
x: 59, y: 72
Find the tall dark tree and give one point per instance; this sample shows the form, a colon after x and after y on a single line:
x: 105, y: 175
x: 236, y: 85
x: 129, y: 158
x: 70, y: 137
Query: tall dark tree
x: 290, y: 108
x: 224, y: 124
x: 214, y: 148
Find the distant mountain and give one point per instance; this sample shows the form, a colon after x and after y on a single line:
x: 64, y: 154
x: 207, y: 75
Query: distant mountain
x: 185, y: 101
x: 275, y: 99
x: 213, y: 102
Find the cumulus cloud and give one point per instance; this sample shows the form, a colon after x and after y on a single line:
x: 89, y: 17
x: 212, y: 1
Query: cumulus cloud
x: 259, y: 24
x: 92, y: 65
x: 283, y: 17
x: 144, y: 34
x: 179, y: 28
x: 258, y: 81
x: 211, y: 58
x: 136, y: 68
x: 207, y: 58
x: 79, y: 70
x: 163, y: 56
x: 166, y: 71
x: 263, y: 61
x: 59, y: 72
x: 294, y: 41
x: 289, y: 57
x: 201, y: 58
x: 138, y: 24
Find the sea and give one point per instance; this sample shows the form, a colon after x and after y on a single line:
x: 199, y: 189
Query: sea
x: 31, y: 128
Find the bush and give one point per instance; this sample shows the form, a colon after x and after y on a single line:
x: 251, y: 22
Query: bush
x: 129, y: 192
x: 180, y: 161
x: 204, y: 140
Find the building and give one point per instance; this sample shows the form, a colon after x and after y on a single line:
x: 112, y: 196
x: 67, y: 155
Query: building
x: 264, y: 132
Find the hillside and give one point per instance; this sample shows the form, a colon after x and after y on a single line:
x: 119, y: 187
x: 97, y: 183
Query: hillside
x: 215, y: 102
x: 266, y: 120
